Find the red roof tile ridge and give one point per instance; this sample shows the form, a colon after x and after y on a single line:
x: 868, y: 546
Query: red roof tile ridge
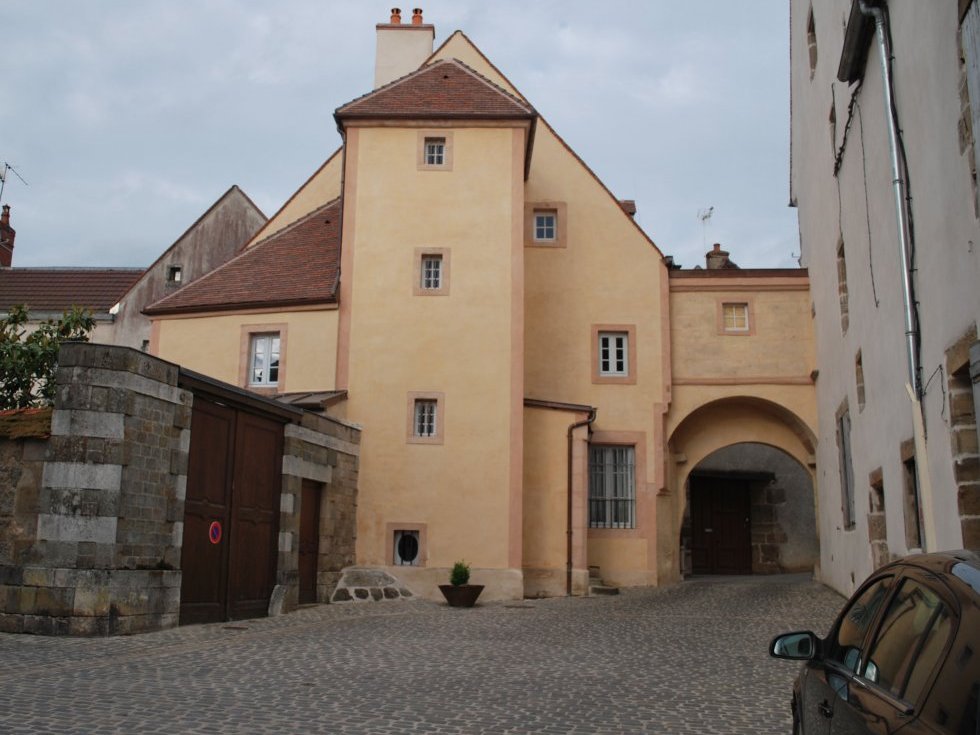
x: 253, y: 251
x: 426, y: 68
x: 294, y: 224
x: 74, y: 269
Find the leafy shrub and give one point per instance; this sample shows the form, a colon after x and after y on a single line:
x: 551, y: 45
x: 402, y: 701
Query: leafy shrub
x: 460, y: 574
x: 28, y: 359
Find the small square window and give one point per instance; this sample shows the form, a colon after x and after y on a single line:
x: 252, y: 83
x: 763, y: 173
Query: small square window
x: 614, y: 354
x: 174, y: 274
x: 431, y: 275
x: 435, y: 151
x: 545, y: 226
x: 264, y: 360
x: 736, y: 317
x: 407, y: 549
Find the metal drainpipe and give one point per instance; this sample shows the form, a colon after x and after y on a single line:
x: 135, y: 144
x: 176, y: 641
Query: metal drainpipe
x: 901, y: 199
x: 568, y: 532
x: 899, y: 187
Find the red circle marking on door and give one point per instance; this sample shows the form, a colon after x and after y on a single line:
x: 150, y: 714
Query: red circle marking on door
x: 214, y: 532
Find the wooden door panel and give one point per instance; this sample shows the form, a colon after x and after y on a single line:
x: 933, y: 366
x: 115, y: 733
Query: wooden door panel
x: 255, y: 515
x: 309, y: 540
x: 203, y: 591
x: 720, y: 529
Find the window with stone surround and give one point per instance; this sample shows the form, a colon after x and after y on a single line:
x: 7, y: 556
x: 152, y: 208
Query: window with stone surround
x: 846, y: 466
x: 431, y: 272
x: 545, y: 224
x: 842, y: 286
x: 612, y: 487
x: 435, y: 150
x: 425, y: 418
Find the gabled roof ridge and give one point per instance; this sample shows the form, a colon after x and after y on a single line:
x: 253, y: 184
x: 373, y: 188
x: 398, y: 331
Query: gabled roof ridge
x: 490, y: 83
x: 256, y: 249
x: 384, y: 87
x: 553, y: 131
x: 255, y: 238
x: 186, y: 232
x: 426, y: 68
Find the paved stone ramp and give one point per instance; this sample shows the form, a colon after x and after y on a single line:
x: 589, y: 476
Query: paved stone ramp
x: 687, y: 659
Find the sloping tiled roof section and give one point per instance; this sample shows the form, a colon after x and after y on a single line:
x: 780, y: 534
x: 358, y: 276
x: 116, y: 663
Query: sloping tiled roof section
x: 59, y: 289
x: 445, y: 89
x: 296, y: 266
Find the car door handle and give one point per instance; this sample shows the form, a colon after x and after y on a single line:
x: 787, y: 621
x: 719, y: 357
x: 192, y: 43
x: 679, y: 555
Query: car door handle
x: 825, y: 709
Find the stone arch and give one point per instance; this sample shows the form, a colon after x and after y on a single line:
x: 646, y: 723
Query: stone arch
x: 759, y: 450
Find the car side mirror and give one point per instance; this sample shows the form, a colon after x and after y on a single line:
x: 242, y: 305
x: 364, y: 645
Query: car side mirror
x: 800, y: 646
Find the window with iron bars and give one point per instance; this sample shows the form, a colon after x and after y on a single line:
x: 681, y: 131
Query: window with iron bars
x: 612, y: 487
x: 425, y: 418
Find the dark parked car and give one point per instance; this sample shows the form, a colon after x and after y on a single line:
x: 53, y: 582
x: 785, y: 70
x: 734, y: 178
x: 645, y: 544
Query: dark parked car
x: 904, y: 654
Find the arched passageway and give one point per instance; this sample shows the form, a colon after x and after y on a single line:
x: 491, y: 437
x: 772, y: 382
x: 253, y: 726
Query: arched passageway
x: 749, y: 509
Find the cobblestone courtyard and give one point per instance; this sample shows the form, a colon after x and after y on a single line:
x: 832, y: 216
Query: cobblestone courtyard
x: 686, y: 659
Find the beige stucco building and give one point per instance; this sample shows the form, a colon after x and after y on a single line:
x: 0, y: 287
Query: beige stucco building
x: 884, y: 178
x: 537, y: 385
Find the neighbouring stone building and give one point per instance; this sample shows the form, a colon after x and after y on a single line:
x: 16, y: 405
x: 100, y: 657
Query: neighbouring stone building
x: 885, y: 109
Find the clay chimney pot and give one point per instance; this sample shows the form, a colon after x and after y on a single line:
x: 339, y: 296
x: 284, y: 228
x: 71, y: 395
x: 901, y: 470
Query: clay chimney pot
x: 416, y: 16
x: 5, y: 217
x: 396, y: 16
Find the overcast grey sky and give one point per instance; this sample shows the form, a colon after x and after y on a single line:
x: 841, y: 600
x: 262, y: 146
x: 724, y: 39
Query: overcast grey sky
x: 128, y: 118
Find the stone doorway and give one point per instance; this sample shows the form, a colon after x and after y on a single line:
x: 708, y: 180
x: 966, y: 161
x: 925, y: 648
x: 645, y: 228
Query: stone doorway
x: 777, y: 492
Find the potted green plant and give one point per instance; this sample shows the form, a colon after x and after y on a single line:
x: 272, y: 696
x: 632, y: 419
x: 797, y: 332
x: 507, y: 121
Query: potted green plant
x: 459, y: 592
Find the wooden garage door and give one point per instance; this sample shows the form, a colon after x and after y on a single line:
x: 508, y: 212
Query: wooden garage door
x: 231, y: 514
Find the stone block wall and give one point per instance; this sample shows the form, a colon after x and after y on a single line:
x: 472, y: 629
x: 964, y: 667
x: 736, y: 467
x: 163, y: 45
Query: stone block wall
x: 326, y: 451
x: 96, y: 524
x: 92, y: 516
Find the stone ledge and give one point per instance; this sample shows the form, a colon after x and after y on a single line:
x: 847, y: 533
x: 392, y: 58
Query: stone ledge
x: 361, y: 584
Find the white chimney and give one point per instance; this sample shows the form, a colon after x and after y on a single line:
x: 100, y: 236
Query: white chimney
x: 402, y: 47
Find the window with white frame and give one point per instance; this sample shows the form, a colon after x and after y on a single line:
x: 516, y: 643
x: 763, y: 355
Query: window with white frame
x: 735, y: 317
x: 614, y: 354
x: 545, y: 226
x: 612, y: 487
x: 407, y: 548
x: 435, y: 152
x: 264, y: 360
x: 431, y: 272
x: 425, y: 417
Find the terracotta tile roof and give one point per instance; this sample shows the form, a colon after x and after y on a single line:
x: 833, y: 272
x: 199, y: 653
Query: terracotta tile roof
x: 296, y: 265
x: 445, y: 89
x: 58, y: 289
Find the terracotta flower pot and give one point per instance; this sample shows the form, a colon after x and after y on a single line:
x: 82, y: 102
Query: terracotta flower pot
x: 461, y: 595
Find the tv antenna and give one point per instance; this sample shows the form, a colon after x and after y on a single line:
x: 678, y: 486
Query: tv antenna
x: 3, y: 177
x: 705, y: 216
